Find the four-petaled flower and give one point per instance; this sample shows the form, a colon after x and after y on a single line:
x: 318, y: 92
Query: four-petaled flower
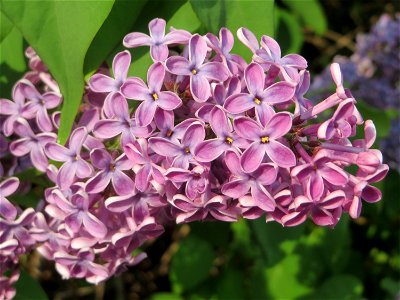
x: 241, y: 182
x: 182, y: 153
x: 265, y: 141
x: 259, y: 97
x: 210, y: 150
x: 157, y: 40
x: 32, y: 144
x: 270, y: 55
x: 74, y: 164
x: 121, y: 123
x: 110, y: 169
x: 151, y: 96
x: 105, y: 84
x: 199, y: 73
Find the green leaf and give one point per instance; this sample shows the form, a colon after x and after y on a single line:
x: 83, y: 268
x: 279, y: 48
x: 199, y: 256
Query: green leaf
x: 191, y: 264
x: 270, y: 236
x: 380, y: 118
x: 254, y: 15
x: 289, y: 34
x: 231, y: 285
x: 61, y: 33
x: 284, y: 279
x: 310, y: 12
x: 217, y: 233
x: 28, y: 288
x: 5, y: 27
x: 12, y: 61
x: 165, y: 296
x: 118, y: 23
x: 184, y: 18
x: 346, y: 287
x: 391, y: 286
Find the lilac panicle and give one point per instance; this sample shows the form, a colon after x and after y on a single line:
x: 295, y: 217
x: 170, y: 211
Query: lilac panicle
x: 214, y: 137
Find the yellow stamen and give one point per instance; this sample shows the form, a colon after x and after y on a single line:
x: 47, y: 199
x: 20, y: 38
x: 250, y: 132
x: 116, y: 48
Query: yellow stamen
x: 187, y: 150
x: 194, y: 71
x: 155, y: 96
x: 257, y: 101
x: 265, y: 139
x: 229, y: 140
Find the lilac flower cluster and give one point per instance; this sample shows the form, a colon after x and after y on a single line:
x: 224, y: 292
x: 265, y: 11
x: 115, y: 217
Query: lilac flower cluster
x: 212, y: 138
x: 372, y: 73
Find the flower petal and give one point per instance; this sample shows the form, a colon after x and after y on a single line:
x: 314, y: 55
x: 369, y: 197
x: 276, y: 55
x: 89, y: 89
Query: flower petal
x: 164, y: 147
x: 120, y: 66
x: 177, y: 36
x: 220, y: 123
x: 135, y: 88
x: 238, y: 103
x: 210, y: 150
x: 255, y: 79
x: 84, y: 169
x: 333, y: 174
x: 122, y: 183
x: 252, y: 157
x: 263, y: 198
x: 178, y: 65
x: 194, y: 135
x: 106, y: 129
x: 98, y: 183
x: 144, y: 114
x: 157, y: 29
x: 159, y: 53
x: 57, y: 152
x: 136, y: 39
x: 280, y: 154
x: 94, y: 226
x: 236, y: 188
x: 278, y: 93
x: 279, y: 125
x: 155, y: 77
x: 168, y: 100
x: 247, y: 128
x: 214, y: 71
x: 200, y: 88
x: 197, y: 50
x: 315, y: 187
x: 248, y: 39
x: 266, y: 174
x: 101, y: 83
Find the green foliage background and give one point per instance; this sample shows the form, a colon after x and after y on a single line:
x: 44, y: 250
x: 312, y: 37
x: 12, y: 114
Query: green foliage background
x: 249, y: 259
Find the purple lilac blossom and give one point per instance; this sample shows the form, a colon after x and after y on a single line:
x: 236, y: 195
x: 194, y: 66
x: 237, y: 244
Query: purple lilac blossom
x: 206, y: 143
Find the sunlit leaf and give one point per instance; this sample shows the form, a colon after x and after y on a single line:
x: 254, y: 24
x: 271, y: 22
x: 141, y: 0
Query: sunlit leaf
x: 5, y: 27
x: 121, y: 18
x: 254, y: 15
x: 61, y: 33
x: 12, y: 61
